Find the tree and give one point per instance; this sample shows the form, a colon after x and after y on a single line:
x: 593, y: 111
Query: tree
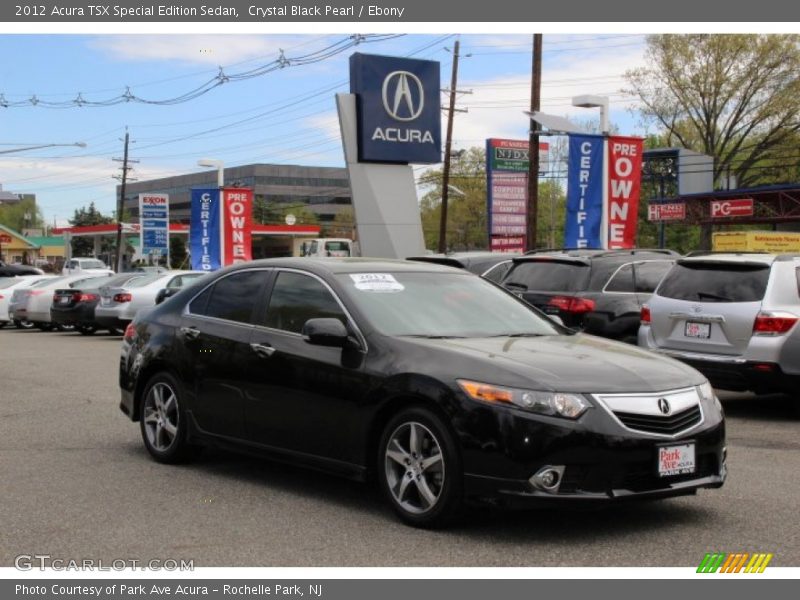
x: 21, y: 215
x: 342, y: 226
x: 89, y: 216
x: 177, y: 252
x: 733, y: 97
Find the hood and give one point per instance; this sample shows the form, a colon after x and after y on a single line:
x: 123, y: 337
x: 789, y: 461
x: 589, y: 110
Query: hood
x: 567, y: 363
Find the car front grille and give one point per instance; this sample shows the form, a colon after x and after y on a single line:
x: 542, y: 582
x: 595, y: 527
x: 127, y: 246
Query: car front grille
x: 665, y: 425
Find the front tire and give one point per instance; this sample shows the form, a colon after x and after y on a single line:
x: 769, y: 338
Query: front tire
x: 420, y: 469
x: 163, y: 420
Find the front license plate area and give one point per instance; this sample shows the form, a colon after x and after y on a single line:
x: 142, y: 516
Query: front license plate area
x: 697, y: 330
x: 676, y: 459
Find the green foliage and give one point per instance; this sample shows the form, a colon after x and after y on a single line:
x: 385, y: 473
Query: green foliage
x: 342, y: 226
x: 733, y: 97
x: 83, y: 216
x: 273, y: 213
x: 177, y: 252
x: 13, y: 216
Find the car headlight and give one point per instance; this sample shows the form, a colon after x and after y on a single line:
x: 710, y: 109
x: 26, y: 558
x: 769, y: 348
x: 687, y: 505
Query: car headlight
x: 554, y: 404
x: 706, y: 392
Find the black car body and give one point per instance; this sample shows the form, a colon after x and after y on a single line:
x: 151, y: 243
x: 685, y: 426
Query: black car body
x: 600, y: 292
x: 489, y: 265
x: 7, y: 270
x: 75, y: 306
x: 330, y: 363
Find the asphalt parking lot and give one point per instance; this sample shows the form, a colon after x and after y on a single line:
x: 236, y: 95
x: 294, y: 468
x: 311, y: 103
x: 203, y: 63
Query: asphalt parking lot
x: 78, y: 484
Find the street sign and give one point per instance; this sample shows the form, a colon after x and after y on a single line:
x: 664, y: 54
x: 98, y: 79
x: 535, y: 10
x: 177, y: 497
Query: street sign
x: 740, y: 207
x: 668, y: 211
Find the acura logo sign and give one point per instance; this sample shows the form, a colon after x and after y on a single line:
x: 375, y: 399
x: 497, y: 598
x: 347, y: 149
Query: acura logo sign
x: 399, y: 97
x: 663, y: 406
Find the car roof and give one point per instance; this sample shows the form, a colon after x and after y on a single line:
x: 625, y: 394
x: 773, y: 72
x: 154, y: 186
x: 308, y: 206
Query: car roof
x: 337, y: 265
x: 466, y: 260
x: 585, y: 256
x: 735, y: 257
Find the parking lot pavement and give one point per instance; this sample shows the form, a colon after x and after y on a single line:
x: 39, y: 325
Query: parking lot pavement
x: 77, y: 484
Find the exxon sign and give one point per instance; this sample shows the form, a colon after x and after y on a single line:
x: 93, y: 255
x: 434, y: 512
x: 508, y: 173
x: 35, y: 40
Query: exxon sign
x: 399, y: 118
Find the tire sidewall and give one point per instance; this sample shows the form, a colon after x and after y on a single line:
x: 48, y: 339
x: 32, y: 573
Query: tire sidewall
x: 450, y: 499
x: 179, y: 450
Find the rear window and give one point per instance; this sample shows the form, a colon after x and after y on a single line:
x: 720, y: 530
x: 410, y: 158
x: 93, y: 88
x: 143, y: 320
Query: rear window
x: 650, y: 274
x: 92, y: 264
x: 714, y: 282
x: 548, y: 276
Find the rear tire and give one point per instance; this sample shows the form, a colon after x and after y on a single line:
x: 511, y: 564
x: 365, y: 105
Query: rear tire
x: 87, y: 329
x: 23, y: 324
x: 419, y: 469
x: 162, y: 419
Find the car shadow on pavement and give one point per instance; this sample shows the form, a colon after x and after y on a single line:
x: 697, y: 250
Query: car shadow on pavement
x: 768, y: 407
x: 478, y: 522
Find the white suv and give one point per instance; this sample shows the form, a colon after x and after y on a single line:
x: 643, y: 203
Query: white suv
x: 76, y: 266
x: 731, y: 316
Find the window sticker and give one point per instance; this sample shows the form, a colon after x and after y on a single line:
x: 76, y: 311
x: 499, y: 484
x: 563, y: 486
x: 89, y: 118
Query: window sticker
x: 376, y: 282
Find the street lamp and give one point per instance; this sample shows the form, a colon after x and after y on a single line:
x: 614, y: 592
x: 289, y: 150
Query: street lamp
x: 214, y: 164
x: 592, y: 101
x: 38, y: 146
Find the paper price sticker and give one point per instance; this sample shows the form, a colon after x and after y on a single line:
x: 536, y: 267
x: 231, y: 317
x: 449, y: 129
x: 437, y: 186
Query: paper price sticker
x: 376, y: 282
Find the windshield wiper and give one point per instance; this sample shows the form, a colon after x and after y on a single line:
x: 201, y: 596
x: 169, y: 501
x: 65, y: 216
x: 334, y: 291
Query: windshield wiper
x: 434, y: 337
x: 517, y: 335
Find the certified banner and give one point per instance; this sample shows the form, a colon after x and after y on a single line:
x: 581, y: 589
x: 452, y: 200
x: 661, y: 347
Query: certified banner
x: 584, y: 192
x: 624, y: 182
x: 238, y: 223
x: 154, y: 224
x: 205, y: 230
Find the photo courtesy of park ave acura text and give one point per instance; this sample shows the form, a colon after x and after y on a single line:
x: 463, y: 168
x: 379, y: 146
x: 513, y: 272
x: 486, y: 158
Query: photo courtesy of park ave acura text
x: 394, y: 299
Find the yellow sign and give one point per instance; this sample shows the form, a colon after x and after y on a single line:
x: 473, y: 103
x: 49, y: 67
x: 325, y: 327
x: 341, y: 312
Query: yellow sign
x: 776, y: 242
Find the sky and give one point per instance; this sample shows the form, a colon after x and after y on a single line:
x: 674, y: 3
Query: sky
x: 283, y: 116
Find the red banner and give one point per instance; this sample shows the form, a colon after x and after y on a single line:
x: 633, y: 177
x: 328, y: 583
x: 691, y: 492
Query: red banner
x: 237, y: 210
x: 741, y: 207
x: 624, y: 182
x: 668, y: 211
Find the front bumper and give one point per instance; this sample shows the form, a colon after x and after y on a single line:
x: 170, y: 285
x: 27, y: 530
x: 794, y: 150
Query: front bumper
x: 601, y: 461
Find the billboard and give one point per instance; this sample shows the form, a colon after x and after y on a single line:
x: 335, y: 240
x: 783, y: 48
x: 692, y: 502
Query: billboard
x: 666, y: 211
x: 154, y: 224
x: 205, y: 231
x: 398, y: 109
x: 584, y: 211
x: 741, y: 207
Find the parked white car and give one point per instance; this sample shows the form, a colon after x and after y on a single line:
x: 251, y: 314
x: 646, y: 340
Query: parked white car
x: 119, y: 305
x: 84, y: 266
x: 8, y: 285
x: 33, y: 303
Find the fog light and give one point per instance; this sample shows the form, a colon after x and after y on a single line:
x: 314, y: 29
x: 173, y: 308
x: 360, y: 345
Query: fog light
x: 548, y: 478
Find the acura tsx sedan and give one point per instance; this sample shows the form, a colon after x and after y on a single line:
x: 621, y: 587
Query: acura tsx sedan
x: 442, y: 386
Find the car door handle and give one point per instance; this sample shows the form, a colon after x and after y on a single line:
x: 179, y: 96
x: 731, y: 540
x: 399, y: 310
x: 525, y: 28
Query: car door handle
x: 191, y: 333
x: 263, y: 350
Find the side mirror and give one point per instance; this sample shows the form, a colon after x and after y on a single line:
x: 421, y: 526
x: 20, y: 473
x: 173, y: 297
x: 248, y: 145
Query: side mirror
x: 165, y: 293
x: 325, y: 332
x: 557, y: 319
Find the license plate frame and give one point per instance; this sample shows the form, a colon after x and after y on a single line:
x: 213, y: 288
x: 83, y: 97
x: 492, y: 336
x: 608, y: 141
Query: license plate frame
x: 675, y: 460
x: 63, y: 299
x: 697, y: 330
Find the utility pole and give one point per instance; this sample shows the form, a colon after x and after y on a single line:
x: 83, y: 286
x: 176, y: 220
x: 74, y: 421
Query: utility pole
x: 120, y: 201
x: 533, y: 143
x: 447, y: 147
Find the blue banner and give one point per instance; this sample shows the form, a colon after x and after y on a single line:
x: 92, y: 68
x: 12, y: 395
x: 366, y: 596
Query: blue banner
x: 584, y: 192
x: 204, y: 230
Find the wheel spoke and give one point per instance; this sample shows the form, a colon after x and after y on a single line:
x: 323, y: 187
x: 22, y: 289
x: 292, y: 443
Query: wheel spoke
x: 430, y: 461
x: 401, y: 492
x: 397, y: 454
x: 425, y: 492
x: 414, y: 439
x: 170, y: 429
x: 157, y: 436
x: 150, y: 415
x: 169, y: 405
x: 158, y: 397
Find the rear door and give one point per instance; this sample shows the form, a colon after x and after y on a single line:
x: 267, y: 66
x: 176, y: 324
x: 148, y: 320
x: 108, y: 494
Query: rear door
x: 708, y: 306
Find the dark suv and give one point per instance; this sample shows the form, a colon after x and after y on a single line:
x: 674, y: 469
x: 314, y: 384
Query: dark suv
x: 598, y: 291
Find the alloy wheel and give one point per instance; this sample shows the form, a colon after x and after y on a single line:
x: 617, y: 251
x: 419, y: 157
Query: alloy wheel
x: 414, y: 468
x: 161, y: 417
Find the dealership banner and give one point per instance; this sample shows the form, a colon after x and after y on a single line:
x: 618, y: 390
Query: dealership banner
x: 154, y: 224
x: 237, y: 206
x: 205, y: 235
x: 624, y: 182
x: 507, y: 164
x: 584, y: 214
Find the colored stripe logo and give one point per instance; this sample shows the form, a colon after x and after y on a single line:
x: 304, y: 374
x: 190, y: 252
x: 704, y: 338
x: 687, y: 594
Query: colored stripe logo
x: 737, y: 562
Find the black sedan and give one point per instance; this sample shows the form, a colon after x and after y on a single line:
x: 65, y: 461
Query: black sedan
x: 446, y: 388
x: 74, y: 306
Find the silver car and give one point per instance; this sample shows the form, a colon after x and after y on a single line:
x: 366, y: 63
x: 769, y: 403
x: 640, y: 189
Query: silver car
x: 32, y: 304
x: 119, y: 305
x: 731, y: 316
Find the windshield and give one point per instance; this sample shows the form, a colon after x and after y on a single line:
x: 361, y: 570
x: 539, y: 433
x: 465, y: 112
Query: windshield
x: 91, y: 264
x: 441, y: 305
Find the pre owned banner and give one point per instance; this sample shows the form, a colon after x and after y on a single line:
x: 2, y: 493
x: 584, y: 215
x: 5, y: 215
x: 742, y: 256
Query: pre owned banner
x: 238, y: 223
x: 584, y: 192
x: 205, y: 231
x: 624, y: 181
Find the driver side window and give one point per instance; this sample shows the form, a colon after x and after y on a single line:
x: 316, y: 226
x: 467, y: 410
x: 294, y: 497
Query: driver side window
x: 296, y: 298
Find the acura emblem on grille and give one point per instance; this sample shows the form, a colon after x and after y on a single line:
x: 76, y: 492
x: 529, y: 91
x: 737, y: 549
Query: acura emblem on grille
x: 663, y: 406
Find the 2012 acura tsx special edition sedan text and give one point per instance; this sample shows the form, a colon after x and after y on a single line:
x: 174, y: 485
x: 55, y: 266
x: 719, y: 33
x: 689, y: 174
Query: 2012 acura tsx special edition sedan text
x: 443, y: 386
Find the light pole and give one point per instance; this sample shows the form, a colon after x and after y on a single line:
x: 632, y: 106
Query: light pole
x: 38, y: 146
x: 214, y: 164
x: 592, y: 101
